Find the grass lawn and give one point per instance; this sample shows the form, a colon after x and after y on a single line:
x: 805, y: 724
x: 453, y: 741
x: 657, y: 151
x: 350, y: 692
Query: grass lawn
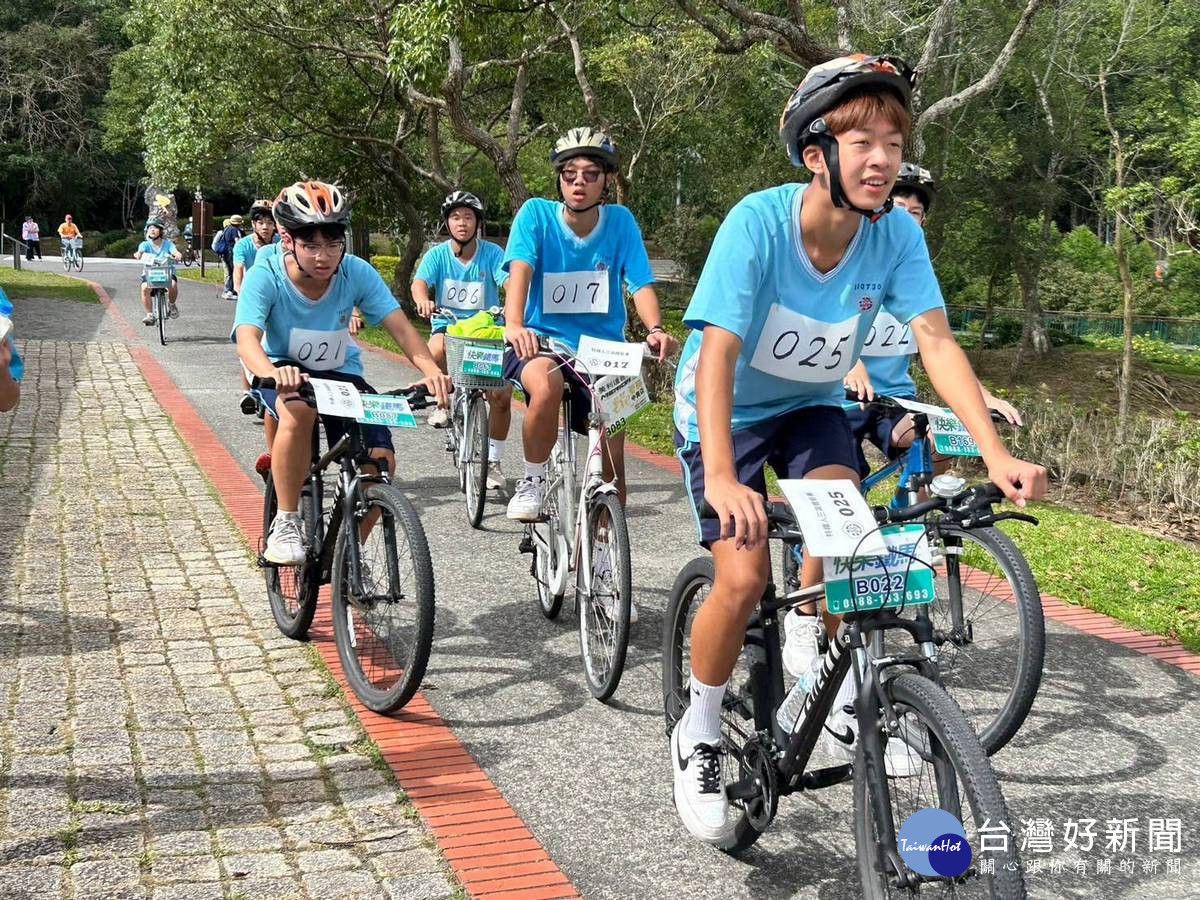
x: 25, y: 284
x: 212, y: 273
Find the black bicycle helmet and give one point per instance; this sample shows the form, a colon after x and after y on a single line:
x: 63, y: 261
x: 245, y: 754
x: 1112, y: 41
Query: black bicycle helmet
x: 915, y: 180
x: 461, y: 200
x: 823, y: 88
x: 587, y: 142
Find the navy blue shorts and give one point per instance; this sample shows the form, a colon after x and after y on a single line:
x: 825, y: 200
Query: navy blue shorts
x: 875, y: 425
x: 792, y: 444
x: 581, y: 396
x: 335, y: 426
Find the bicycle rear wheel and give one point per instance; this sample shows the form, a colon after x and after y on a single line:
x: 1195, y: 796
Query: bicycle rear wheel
x: 66, y: 260
x: 384, y: 635
x: 161, y: 312
x: 292, y: 590
x: 992, y: 664
x: 551, y: 554
x: 604, y: 613
x: 951, y: 773
x: 474, y: 461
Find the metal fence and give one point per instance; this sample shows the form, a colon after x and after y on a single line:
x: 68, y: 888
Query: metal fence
x: 1185, y: 332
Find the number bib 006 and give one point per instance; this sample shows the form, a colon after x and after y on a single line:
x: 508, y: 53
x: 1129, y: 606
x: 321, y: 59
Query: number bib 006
x: 462, y: 294
x: 574, y: 292
x: 799, y: 348
x: 889, y: 337
x: 318, y: 350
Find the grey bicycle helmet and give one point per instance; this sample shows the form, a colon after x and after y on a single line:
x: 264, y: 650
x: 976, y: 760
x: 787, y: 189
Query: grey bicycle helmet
x: 914, y: 179
x: 587, y: 142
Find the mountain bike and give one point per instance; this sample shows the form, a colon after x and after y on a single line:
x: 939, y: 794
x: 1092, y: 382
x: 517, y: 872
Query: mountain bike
x: 190, y: 258
x: 582, y: 528
x: 989, y: 626
x: 898, y: 699
x: 382, y: 583
x: 474, y: 365
x: 158, y: 273
x: 72, y: 254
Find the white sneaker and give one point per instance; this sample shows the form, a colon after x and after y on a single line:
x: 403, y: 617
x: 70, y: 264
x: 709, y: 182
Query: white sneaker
x: 526, y: 502
x: 698, y: 788
x: 495, y: 478
x: 903, y: 756
x: 800, y: 649
x: 149, y: 319
x: 439, y: 418
x: 285, y: 544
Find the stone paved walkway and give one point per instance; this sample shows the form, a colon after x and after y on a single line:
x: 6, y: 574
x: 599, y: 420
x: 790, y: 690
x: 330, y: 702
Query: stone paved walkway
x: 160, y: 738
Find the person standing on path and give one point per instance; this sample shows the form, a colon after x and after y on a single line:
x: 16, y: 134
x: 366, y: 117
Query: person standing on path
x: 31, y: 235
x: 224, y: 246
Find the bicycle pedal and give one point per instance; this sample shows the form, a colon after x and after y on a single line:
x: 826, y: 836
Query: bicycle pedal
x: 526, y: 545
x: 264, y: 563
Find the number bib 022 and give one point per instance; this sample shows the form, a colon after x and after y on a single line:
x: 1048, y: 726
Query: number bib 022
x: 318, y: 350
x: 889, y: 337
x: 462, y: 294
x: 799, y: 348
x: 574, y: 292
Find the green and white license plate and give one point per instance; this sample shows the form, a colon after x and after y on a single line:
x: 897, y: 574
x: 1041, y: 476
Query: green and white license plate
x: 951, y: 438
x: 878, y: 582
x: 620, y: 399
x: 482, y: 362
x: 391, y: 412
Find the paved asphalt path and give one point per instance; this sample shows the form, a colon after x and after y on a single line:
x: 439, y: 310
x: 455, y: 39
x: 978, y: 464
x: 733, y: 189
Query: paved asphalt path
x: 1112, y: 736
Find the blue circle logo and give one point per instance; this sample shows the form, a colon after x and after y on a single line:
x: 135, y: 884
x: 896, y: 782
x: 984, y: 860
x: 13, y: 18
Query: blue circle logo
x: 933, y: 842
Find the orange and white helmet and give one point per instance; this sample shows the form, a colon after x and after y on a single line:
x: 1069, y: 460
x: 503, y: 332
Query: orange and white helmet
x: 308, y: 203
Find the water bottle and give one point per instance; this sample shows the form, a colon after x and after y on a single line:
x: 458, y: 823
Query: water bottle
x: 789, y: 710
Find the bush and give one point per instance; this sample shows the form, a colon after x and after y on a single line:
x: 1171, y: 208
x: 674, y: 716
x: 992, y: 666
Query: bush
x: 122, y: 248
x: 386, y: 266
x: 107, y: 237
x: 1083, y: 251
x: 686, y: 238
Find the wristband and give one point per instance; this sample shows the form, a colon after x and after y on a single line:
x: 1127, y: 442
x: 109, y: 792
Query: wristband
x: 657, y: 329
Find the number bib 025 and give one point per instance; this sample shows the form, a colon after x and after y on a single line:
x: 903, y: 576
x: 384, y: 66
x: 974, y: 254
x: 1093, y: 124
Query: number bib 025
x: 889, y: 337
x: 318, y: 350
x: 575, y: 292
x: 462, y: 294
x: 799, y: 348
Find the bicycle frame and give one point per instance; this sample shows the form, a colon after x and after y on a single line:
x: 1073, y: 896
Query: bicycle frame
x: 915, y: 467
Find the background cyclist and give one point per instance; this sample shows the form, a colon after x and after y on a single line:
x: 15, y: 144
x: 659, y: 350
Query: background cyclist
x: 69, y: 234
x: 155, y: 245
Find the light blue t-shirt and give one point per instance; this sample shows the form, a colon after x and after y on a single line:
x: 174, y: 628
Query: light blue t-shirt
x: 801, y: 330
x: 470, y: 286
x: 314, y: 333
x: 16, y: 366
x: 576, y: 285
x: 268, y: 252
x: 887, y: 356
x: 245, y: 250
x: 147, y: 246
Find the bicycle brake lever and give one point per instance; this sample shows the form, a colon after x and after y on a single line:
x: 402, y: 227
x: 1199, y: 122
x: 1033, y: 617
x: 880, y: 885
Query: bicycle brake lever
x: 993, y: 518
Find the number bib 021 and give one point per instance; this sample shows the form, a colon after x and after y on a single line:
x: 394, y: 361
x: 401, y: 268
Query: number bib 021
x: 462, y: 294
x: 799, y: 348
x: 318, y: 350
x: 575, y: 292
x: 889, y: 337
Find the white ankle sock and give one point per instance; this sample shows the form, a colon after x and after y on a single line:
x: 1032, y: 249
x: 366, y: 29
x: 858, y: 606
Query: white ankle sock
x: 703, y: 722
x: 535, y: 470
x: 495, y: 450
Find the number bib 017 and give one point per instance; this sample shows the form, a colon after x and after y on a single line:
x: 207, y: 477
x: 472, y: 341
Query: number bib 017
x: 318, y: 350
x: 462, y: 294
x: 575, y: 292
x: 799, y: 348
x: 889, y: 337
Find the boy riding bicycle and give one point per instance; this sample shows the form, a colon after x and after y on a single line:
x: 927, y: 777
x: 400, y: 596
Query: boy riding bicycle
x: 464, y: 275
x: 69, y: 234
x: 292, y: 322
x: 791, y: 287
x: 154, y: 246
x: 567, y: 263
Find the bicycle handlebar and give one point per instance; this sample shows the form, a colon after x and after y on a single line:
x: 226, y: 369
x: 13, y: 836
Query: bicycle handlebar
x: 457, y: 314
x: 552, y: 346
x: 885, y: 402
x: 417, y: 395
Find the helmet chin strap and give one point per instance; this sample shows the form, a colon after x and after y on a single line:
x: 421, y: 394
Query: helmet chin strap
x: 829, y: 150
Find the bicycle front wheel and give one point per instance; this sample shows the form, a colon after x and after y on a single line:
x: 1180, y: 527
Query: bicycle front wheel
x: 990, y: 630
x: 79, y: 260
x: 159, y: 302
x: 292, y: 590
x: 604, y: 610
x: 474, y: 461
x: 948, y: 771
x: 384, y: 633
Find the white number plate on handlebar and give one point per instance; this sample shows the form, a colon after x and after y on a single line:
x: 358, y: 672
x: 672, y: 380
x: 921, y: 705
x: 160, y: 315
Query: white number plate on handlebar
x: 609, y: 357
x: 393, y: 412
x: 620, y: 399
x: 875, y: 582
x: 833, y: 517
x: 337, y: 398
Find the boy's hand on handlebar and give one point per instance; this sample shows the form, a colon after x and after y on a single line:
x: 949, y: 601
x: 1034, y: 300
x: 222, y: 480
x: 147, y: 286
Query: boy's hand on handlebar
x: 425, y: 308
x: 1020, y: 480
x: 859, y: 383
x: 440, y: 386
x: 1003, y: 407
x: 524, y: 340
x: 740, y: 512
x: 288, y: 379
x: 662, y: 343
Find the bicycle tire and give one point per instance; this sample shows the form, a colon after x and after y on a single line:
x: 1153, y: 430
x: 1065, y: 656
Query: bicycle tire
x: 969, y: 683
x: 160, y: 313
x: 951, y: 755
x: 737, y: 707
x: 603, y: 670
x: 66, y: 261
x: 475, y: 459
x: 291, y: 590
x: 79, y: 260
x: 399, y: 665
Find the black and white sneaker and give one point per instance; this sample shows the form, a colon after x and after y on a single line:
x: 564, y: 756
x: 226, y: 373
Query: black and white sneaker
x: 699, y: 790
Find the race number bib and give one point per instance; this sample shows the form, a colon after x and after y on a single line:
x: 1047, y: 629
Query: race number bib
x: 600, y: 357
x: 462, y: 294
x: 833, y: 517
x: 889, y: 337
x: 575, y: 292
x: 337, y: 398
x: 798, y: 348
x: 620, y: 399
x: 318, y: 350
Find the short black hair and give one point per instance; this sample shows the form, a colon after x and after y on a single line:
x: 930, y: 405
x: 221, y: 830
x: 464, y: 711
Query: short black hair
x: 912, y: 192
x: 327, y: 232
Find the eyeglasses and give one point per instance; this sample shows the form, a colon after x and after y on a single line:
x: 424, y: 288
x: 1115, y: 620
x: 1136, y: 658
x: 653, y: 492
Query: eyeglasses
x: 330, y: 249
x: 570, y: 176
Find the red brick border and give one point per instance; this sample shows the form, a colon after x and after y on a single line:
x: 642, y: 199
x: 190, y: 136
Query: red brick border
x: 1078, y: 617
x: 489, y: 847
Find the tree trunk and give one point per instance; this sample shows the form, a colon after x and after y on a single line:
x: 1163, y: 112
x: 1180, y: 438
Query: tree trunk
x: 1126, y: 379
x: 414, y: 243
